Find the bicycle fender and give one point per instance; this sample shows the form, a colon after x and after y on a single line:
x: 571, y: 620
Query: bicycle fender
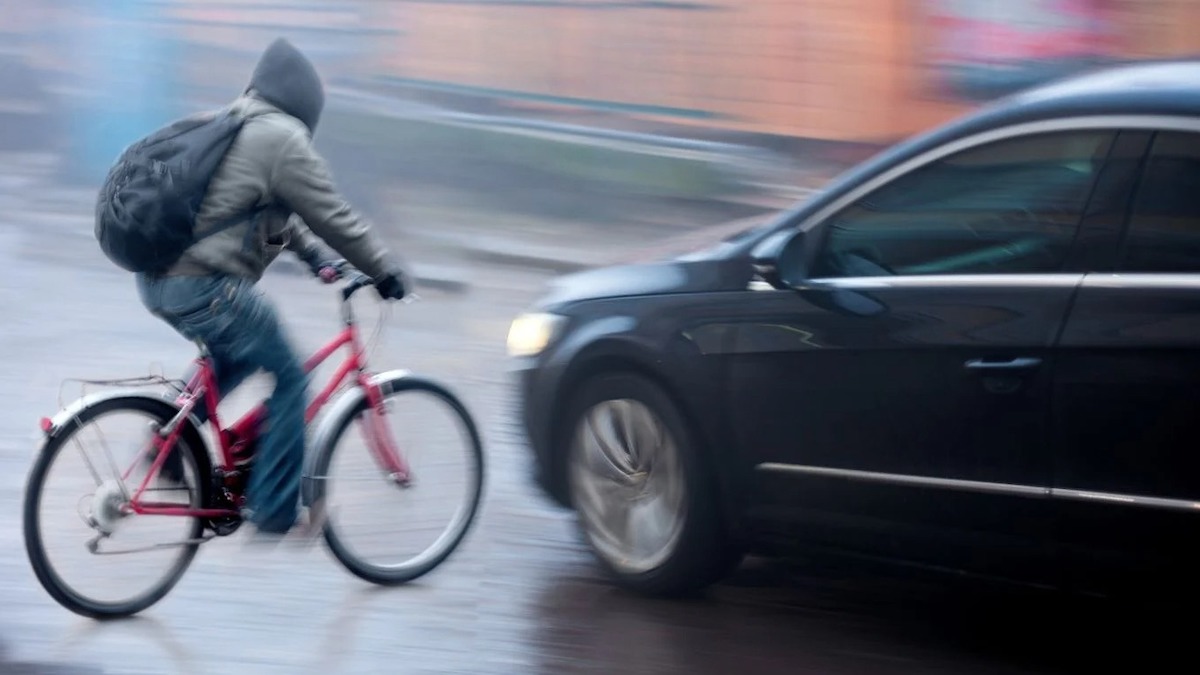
x: 332, y: 421
x: 52, y: 426
x: 190, y: 428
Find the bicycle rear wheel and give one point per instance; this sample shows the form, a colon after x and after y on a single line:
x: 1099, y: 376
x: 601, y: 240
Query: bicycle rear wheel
x: 365, y: 509
x: 134, y: 560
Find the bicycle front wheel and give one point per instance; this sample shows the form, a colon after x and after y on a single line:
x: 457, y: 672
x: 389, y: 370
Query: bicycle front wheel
x: 384, y: 529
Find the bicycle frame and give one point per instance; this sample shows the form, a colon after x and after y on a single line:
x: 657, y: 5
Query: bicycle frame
x: 202, y: 387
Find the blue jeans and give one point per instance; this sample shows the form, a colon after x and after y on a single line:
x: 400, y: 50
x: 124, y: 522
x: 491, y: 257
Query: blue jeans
x: 243, y: 335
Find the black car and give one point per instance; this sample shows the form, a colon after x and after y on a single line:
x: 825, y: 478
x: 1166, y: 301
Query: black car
x: 978, y: 351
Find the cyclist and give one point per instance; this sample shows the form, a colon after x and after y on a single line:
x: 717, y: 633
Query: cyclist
x: 209, y: 295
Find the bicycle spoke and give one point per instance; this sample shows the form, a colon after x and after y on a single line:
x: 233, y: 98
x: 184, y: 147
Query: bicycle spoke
x: 112, y: 463
x: 86, y: 460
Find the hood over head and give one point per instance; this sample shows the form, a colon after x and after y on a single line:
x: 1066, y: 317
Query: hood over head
x: 285, y: 78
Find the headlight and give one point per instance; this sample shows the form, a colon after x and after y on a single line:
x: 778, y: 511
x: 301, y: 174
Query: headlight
x: 531, y: 333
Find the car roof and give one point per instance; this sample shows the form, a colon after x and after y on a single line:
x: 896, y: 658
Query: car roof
x: 1170, y: 88
x: 1161, y: 88
x: 1145, y: 88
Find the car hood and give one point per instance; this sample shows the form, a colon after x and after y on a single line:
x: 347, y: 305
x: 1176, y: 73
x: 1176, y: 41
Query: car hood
x: 696, y: 274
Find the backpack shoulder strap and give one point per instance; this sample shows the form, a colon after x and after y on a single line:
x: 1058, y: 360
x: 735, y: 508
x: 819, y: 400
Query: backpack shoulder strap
x: 244, y: 216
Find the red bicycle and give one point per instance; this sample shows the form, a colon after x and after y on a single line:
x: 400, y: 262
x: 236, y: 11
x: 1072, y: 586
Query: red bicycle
x: 120, y: 499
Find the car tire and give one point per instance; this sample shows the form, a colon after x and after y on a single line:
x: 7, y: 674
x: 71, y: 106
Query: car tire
x: 644, y: 492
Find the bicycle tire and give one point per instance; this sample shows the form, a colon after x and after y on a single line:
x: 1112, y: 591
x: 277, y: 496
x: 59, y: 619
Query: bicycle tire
x: 161, y: 411
x: 376, y: 574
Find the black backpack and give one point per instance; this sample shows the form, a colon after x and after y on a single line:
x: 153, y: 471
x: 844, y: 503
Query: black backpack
x: 147, y: 206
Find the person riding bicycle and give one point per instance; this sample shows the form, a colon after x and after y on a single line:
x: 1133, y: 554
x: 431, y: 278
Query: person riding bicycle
x: 209, y: 295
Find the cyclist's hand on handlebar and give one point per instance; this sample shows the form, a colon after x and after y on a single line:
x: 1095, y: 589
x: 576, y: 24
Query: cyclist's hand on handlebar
x: 394, y: 286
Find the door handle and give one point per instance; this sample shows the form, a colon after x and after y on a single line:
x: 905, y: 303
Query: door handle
x: 1019, y: 363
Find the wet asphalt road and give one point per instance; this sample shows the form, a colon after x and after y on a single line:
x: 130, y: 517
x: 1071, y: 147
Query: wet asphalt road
x: 521, y: 595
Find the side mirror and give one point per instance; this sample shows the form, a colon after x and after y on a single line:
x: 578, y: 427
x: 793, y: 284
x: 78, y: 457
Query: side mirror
x: 780, y: 259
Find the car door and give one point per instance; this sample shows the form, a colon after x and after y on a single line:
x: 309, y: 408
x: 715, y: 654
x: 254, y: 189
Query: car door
x: 901, y: 407
x: 1127, y: 387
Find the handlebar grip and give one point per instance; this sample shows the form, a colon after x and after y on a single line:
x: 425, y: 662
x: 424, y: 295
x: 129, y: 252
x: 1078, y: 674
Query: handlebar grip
x: 329, y: 274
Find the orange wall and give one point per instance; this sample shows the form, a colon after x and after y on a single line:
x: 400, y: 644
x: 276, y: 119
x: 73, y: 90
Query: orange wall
x: 830, y: 69
x: 812, y: 68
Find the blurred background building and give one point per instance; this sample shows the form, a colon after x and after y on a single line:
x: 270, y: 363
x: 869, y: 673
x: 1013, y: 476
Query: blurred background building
x: 691, y: 99
x: 842, y: 70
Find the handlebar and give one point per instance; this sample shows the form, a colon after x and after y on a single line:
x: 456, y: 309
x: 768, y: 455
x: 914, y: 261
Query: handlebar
x: 359, y: 282
x: 342, y: 269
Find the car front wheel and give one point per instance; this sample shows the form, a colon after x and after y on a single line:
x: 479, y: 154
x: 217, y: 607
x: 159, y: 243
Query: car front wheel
x: 644, y: 493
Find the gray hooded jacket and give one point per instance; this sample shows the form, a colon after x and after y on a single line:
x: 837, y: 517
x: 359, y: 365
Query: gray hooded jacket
x: 273, y: 166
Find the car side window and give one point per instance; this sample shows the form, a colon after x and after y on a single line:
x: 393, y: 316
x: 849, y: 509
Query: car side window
x: 1164, y: 226
x: 1007, y: 207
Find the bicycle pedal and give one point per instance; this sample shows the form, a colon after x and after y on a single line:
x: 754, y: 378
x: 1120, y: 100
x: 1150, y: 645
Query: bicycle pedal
x: 225, y: 526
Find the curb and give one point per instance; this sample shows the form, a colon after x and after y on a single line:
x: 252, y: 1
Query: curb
x: 727, y: 167
x: 630, y: 141
x: 547, y: 263
x: 702, y: 237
